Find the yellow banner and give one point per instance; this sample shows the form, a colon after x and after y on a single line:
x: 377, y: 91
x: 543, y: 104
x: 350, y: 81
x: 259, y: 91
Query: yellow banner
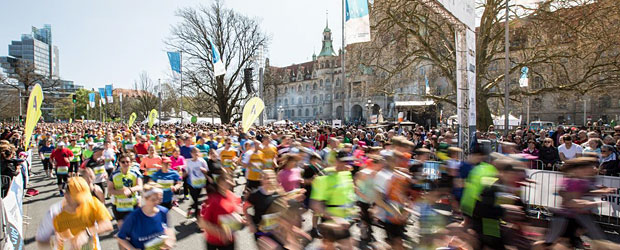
x: 33, y: 114
x: 152, y: 116
x: 132, y: 119
x: 251, y: 111
x: 70, y: 120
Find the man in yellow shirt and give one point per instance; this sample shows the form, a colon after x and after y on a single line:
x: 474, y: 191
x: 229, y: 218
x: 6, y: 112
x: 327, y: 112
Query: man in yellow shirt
x: 253, y: 164
x: 228, y: 155
x: 77, y: 219
x: 169, y: 145
x: 270, y: 154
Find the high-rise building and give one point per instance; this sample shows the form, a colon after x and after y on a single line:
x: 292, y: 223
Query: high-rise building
x: 38, y: 49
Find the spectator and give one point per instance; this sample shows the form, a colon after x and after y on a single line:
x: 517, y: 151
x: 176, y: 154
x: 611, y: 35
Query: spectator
x: 594, y: 146
x: 531, y: 148
x: 548, y: 154
x: 609, y: 161
x: 568, y: 150
x: 557, y: 135
x: 10, y: 166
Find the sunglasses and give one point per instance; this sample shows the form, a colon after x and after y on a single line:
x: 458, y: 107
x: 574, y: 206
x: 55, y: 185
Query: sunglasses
x: 125, y: 162
x: 604, y: 151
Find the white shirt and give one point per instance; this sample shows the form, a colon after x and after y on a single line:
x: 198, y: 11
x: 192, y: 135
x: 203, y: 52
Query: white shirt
x: 571, y: 152
x: 193, y: 168
x: 109, y: 156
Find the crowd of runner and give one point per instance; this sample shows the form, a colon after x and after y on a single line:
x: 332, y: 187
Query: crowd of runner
x: 379, y: 188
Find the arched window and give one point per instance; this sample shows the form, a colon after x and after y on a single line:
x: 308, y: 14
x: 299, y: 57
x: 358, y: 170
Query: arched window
x: 299, y: 112
x: 314, y: 112
x: 285, y: 102
x: 321, y: 97
x: 299, y: 88
x: 314, y: 86
x: 307, y: 99
x: 307, y: 87
x: 321, y: 82
x: 292, y: 100
x: 299, y: 100
x: 292, y: 113
x: 285, y: 89
x: 314, y: 99
x: 320, y: 85
x: 307, y: 112
x: 337, y: 82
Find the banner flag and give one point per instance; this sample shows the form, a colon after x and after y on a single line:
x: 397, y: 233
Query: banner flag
x: 91, y: 100
x: 218, y: 64
x: 524, y: 81
x: 108, y: 93
x: 251, y: 111
x: 102, y: 95
x: 175, y: 61
x: 132, y: 119
x: 33, y: 113
x: 152, y: 116
x: 357, y: 24
x: 427, y: 85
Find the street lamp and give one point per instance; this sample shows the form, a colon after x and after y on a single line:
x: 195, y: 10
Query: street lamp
x: 280, y: 112
x: 368, y: 107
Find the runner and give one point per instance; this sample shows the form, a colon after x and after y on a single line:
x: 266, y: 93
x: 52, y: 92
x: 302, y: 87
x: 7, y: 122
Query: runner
x: 195, y: 175
x: 150, y: 163
x: 253, y: 164
x: 45, y: 153
x: 77, y: 157
x: 228, y: 155
x: 147, y: 227
x: 61, y: 159
x: 169, y: 180
x: 76, y: 221
x: 124, y: 184
x: 220, y: 214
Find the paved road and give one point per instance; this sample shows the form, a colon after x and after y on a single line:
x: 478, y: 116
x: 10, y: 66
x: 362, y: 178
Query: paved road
x: 188, y: 236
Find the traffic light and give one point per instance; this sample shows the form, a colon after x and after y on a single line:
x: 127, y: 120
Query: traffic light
x: 248, y: 80
x: 74, y: 97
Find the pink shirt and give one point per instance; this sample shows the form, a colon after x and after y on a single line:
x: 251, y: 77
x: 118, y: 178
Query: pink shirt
x: 290, y: 178
x: 176, y: 162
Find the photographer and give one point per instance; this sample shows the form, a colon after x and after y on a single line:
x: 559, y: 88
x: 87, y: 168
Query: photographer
x: 9, y: 164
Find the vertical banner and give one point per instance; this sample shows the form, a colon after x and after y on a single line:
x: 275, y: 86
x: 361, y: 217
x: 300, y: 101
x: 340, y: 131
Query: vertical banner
x: 357, y: 24
x: 132, y: 119
x: 91, y: 100
x: 175, y: 61
x: 33, y: 113
x: 427, y: 86
x: 102, y: 95
x: 108, y: 93
x: 218, y: 65
x: 401, y: 116
x: 152, y: 117
x: 251, y: 111
x: 120, y: 97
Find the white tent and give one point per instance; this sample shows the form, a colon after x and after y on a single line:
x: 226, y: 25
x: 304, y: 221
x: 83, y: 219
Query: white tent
x: 512, y: 121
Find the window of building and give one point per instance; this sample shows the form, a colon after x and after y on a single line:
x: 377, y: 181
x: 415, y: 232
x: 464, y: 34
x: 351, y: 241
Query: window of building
x: 299, y: 88
x: 307, y: 87
x: 321, y: 109
x: 299, y: 100
x: 299, y: 112
x: 321, y: 85
x: 321, y: 97
x: 314, y: 112
x: 314, y: 99
x: 307, y: 99
x: 314, y: 86
x: 307, y: 112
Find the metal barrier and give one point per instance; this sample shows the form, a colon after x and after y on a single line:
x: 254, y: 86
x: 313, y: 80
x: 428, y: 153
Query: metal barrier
x: 541, y: 196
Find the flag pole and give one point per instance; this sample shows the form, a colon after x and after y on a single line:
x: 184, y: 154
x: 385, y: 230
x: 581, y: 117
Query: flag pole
x: 344, y: 81
x: 181, y: 69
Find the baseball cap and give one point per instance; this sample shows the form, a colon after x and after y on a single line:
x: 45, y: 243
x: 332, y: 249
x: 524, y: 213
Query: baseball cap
x: 98, y: 148
x: 60, y: 144
x: 79, y: 189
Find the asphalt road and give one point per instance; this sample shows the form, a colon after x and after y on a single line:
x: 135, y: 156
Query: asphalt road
x: 187, y: 233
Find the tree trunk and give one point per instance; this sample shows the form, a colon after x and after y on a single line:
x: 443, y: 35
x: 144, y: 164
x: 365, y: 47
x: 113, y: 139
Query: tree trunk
x: 483, y: 113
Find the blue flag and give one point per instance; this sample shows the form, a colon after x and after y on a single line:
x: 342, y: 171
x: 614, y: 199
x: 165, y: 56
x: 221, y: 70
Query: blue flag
x: 175, y: 61
x: 218, y: 64
x: 108, y: 93
x: 102, y: 95
x: 357, y: 24
x: 91, y: 100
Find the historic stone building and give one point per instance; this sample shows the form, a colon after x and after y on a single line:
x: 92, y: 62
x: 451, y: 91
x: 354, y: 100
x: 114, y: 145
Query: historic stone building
x: 314, y: 90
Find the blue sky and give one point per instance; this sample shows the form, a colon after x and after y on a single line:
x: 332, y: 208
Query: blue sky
x: 113, y: 41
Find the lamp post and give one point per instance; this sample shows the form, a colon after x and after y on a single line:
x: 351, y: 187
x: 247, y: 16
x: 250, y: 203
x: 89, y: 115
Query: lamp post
x: 368, y: 107
x: 280, y: 113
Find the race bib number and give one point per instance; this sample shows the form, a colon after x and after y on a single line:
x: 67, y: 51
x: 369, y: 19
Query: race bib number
x: 227, y: 163
x: 268, y: 165
x: 151, y: 171
x: 62, y: 170
x: 165, y: 184
x: 99, y: 170
x: 124, y: 204
x: 256, y: 167
x: 269, y: 221
x: 155, y: 244
x: 129, y: 146
x: 198, y: 182
x: 231, y: 221
x: 47, y: 155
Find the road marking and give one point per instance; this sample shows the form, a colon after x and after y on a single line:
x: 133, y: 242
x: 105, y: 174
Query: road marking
x: 184, y: 214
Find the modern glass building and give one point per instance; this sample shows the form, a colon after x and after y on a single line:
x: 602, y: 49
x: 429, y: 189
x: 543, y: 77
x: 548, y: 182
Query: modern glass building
x: 38, y: 49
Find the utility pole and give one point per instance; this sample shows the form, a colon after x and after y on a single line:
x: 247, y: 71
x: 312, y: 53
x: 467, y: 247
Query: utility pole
x: 160, y: 101
x: 507, y: 73
x: 260, y: 92
x: 344, y: 80
x: 181, y: 68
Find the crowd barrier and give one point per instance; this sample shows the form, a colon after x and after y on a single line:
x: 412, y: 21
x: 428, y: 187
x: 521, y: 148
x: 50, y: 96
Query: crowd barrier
x: 541, y: 196
x: 12, y: 237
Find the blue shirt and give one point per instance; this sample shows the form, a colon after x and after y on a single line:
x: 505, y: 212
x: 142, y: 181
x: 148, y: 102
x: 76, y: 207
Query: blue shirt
x: 138, y: 228
x: 186, y: 151
x: 212, y: 145
x: 166, y: 179
x: 46, y: 149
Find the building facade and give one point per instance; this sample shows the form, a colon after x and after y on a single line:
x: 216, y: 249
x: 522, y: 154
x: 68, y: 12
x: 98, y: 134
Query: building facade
x: 37, y: 48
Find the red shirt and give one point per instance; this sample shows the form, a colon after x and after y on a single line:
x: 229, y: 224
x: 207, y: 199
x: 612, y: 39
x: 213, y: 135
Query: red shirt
x: 141, y: 149
x: 217, y: 205
x: 62, y: 157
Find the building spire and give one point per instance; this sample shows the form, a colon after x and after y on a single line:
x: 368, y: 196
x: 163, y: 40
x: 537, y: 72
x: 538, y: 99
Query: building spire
x: 326, y: 18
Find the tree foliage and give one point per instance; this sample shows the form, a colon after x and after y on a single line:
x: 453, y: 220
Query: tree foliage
x: 572, y: 45
x: 236, y: 37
